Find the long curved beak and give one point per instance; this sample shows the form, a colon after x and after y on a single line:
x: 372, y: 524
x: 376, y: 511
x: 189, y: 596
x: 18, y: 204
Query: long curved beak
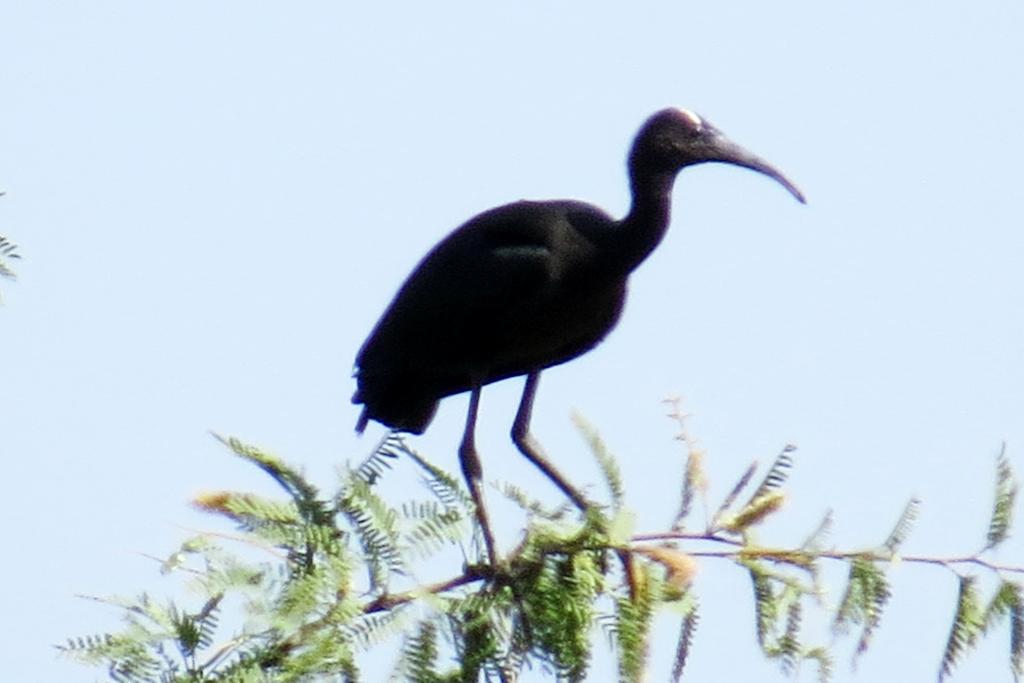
x: 726, y: 151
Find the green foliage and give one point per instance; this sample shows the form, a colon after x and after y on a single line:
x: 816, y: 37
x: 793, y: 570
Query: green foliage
x: 376, y: 527
x: 605, y: 459
x: 313, y: 581
x: 766, y: 499
x: 1016, y: 614
x: 1007, y: 604
x: 815, y: 541
x: 556, y: 594
x: 968, y: 624
x: 778, y: 617
x: 776, y: 476
x: 8, y: 253
x: 731, y: 498
x: 310, y: 582
x: 635, y: 614
x: 686, y: 632
x: 903, y: 526
x: 867, y: 593
x: 1003, y: 503
x: 420, y: 653
x: 381, y: 459
x: 974, y: 620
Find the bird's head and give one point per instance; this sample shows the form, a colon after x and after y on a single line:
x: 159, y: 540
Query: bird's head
x: 673, y: 139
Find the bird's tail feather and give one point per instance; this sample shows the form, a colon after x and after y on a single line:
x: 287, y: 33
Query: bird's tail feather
x: 364, y: 418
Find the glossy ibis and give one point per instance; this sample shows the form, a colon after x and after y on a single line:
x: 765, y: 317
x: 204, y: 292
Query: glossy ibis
x: 523, y: 287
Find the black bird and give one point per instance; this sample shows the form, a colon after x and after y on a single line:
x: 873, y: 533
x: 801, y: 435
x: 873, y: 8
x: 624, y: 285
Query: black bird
x: 523, y: 287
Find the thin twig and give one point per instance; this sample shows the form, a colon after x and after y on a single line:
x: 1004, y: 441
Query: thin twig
x: 873, y: 555
x: 385, y: 602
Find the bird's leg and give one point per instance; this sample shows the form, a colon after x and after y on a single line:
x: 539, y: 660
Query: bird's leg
x: 473, y: 473
x: 529, y: 447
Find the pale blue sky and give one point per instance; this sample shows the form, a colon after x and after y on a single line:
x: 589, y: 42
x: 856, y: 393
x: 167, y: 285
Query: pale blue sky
x: 215, y: 201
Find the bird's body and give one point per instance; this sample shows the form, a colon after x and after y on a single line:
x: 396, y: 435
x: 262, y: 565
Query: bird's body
x: 523, y: 287
x: 457, y: 322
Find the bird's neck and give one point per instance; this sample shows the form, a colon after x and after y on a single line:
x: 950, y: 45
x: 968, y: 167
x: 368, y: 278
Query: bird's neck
x: 647, y: 221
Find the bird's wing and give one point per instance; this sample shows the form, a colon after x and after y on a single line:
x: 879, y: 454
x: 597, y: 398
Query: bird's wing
x: 472, y: 289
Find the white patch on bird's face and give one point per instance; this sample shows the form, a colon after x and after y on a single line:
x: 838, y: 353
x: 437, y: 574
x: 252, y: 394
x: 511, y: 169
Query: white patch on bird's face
x: 694, y: 119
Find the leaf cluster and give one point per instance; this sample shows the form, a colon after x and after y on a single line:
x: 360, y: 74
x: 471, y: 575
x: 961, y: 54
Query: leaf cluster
x: 786, y: 582
x: 321, y: 579
x: 8, y: 253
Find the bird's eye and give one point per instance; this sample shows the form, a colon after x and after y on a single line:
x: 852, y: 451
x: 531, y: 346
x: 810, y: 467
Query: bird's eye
x: 667, y: 144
